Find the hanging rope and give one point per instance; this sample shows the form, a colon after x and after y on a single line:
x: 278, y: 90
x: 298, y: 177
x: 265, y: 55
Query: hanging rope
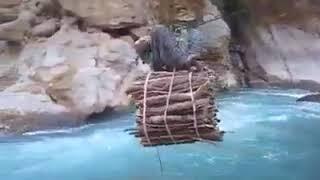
x: 145, y: 108
x: 160, y: 162
x: 195, y: 123
x: 167, y: 105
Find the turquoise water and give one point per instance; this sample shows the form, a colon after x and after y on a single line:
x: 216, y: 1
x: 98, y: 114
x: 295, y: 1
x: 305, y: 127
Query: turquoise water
x: 270, y: 136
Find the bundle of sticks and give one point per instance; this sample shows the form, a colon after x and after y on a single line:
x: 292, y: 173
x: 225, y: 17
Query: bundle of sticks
x: 174, y: 107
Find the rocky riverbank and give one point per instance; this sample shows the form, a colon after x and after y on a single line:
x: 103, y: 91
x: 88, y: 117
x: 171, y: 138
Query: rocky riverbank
x: 63, y: 60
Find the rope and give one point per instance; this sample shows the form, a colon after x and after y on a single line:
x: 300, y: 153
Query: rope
x: 167, y: 105
x: 195, y: 124
x: 145, y: 108
x: 160, y: 162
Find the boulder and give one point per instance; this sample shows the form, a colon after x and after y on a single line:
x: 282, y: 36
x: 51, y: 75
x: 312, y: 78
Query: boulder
x: 140, y: 32
x: 23, y: 18
x: 310, y: 98
x: 82, y: 71
x: 216, y: 40
x: 128, y: 39
x: 172, y: 11
x: 41, y: 7
x: 9, y: 10
x: 23, y: 112
x: 169, y: 11
x: 46, y: 29
x: 108, y: 14
x: 14, y: 31
x: 68, y: 77
x: 10, y: 3
x: 8, y: 76
x: 8, y: 14
x: 9, y: 55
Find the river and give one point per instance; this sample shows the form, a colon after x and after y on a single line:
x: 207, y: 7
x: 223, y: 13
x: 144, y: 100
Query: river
x: 269, y: 136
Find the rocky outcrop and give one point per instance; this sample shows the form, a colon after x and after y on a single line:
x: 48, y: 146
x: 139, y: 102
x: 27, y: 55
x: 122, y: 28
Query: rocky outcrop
x: 16, y: 30
x: 216, y: 38
x: 30, y: 11
x: 75, y: 75
x: 281, y: 39
x: 46, y: 28
x: 21, y: 112
x: 108, y: 14
x: 80, y: 70
x: 9, y: 10
x: 289, y: 54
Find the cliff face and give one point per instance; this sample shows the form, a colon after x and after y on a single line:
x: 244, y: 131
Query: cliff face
x: 282, y: 40
x: 68, y: 59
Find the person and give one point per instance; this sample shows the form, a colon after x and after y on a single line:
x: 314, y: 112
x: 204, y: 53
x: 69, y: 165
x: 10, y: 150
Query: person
x: 168, y: 54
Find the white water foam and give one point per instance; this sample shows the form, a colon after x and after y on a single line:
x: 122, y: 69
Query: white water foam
x: 271, y: 93
x: 57, y: 131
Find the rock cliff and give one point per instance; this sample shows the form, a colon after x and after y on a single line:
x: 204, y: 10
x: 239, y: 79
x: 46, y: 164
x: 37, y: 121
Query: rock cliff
x: 281, y: 39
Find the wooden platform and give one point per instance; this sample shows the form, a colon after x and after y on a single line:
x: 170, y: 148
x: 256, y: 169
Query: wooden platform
x: 174, y: 108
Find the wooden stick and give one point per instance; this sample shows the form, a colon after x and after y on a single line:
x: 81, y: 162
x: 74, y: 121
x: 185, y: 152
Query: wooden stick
x: 202, y: 92
x: 180, y: 106
x: 177, y: 119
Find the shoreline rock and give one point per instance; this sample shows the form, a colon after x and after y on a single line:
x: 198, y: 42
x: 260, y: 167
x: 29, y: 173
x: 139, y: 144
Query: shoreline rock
x: 310, y: 98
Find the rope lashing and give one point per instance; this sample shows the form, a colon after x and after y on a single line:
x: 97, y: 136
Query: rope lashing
x: 167, y: 105
x: 145, y: 108
x: 195, y: 123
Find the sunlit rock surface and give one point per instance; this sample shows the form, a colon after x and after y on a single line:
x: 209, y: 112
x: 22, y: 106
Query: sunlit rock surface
x: 283, y: 42
x: 108, y: 14
x: 84, y: 73
x: 22, y: 112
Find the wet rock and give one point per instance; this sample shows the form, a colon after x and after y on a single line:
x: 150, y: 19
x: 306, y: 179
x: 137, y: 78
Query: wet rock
x: 310, y: 98
x: 22, y: 112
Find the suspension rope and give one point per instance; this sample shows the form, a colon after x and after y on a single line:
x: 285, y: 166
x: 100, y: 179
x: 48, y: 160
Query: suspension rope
x: 160, y: 161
